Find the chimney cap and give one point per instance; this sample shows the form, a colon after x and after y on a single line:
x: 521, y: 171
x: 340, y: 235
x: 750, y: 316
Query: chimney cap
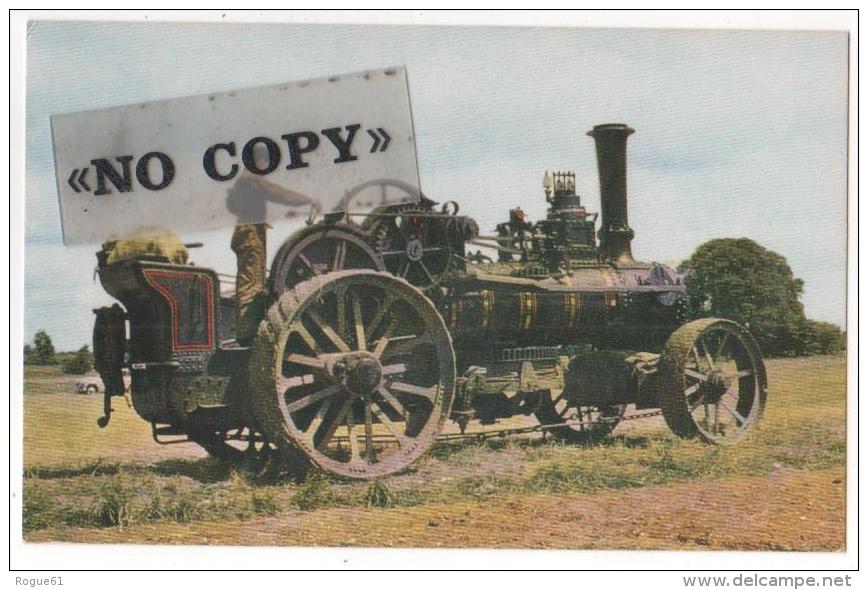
x: 610, y: 127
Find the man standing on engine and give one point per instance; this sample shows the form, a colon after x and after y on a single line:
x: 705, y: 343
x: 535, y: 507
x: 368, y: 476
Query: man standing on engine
x: 247, y: 201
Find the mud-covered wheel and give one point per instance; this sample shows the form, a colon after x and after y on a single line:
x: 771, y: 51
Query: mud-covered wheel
x: 240, y: 447
x: 585, y: 423
x: 354, y: 369
x: 712, y: 381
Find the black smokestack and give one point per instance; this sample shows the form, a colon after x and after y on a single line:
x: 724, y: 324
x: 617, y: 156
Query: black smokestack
x: 615, y: 234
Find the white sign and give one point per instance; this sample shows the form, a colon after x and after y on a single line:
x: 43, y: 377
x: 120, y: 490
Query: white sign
x: 249, y: 156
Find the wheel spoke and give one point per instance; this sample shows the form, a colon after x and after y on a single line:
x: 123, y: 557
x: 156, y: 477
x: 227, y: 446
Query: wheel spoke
x: 722, y: 345
x: 696, y: 375
x: 732, y: 411
x: 707, y: 354
x: 307, y: 263
x: 404, y: 269
x: 369, y: 433
x: 691, y: 390
x: 383, y: 342
x: 307, y: 361
x: 731, y: 390
x: 284, y: 383
x: 313, y: 398
x: 743, y: 373
x: 427, y: 273
x: 311, y: 342
x: 395, y: 369
x: 355, y: 454
x: 392, y: 401
x: 317, y: 421
x: 361, y: 341
x: 696, y: 358
x: 328, y: 331
x: 340, y: 255
x: 381, y: 313
x: 334, y: 425
x: 411, y: 341
x: 389, y: 425
x: 341, y: 313
x: 429, y: 393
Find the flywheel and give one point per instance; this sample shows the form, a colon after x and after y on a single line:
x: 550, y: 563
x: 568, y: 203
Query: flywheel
x: 413, y: 241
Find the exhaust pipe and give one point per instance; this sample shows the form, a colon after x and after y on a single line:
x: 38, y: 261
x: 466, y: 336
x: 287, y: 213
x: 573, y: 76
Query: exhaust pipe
x: 615, y: 234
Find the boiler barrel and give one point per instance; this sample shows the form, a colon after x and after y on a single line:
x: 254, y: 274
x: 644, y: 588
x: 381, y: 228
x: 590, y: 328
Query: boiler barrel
x: 561, y: 317
x: 511, y: 312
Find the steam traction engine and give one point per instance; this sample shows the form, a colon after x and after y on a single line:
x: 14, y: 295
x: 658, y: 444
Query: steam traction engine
x: 379, y: 327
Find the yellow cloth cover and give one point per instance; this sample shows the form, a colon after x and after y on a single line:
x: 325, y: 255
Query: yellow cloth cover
x: 168, y: 247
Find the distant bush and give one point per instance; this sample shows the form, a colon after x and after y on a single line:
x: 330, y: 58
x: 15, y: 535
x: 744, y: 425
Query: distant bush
x: 740, y: 280
x: 822, y: 338
x: 79, y: 363
x: 42, y: 351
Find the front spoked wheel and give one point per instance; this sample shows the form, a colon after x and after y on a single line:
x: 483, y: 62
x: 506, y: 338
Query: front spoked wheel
x: 712, y: 381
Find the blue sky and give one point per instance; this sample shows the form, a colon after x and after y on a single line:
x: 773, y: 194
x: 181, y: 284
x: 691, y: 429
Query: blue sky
x: 739, y: 133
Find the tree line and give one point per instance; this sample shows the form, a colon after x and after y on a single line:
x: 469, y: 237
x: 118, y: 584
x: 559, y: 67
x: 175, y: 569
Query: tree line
x: 41, y: 352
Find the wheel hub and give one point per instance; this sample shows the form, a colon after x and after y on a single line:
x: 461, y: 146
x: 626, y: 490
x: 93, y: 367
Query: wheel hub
x: 414, y: 250
x: 717, y: 385
x: 360, y: 373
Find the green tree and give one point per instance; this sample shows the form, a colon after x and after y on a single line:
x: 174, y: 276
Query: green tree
x: 740, y: 280
x: 43, y: 349
x: 80, y: 363
x: 823, y: 338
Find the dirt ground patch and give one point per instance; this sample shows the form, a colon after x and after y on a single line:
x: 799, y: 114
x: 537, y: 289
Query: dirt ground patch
x: 787, y: 510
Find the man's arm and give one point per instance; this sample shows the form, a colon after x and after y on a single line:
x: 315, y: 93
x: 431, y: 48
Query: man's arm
x: 284, y: 195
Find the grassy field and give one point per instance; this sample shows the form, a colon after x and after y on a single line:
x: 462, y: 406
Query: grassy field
x: 782, y: 488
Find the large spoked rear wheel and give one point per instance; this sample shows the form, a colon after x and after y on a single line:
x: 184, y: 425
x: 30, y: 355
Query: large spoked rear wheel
x: 712, y: 381
x: 356, y: 370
